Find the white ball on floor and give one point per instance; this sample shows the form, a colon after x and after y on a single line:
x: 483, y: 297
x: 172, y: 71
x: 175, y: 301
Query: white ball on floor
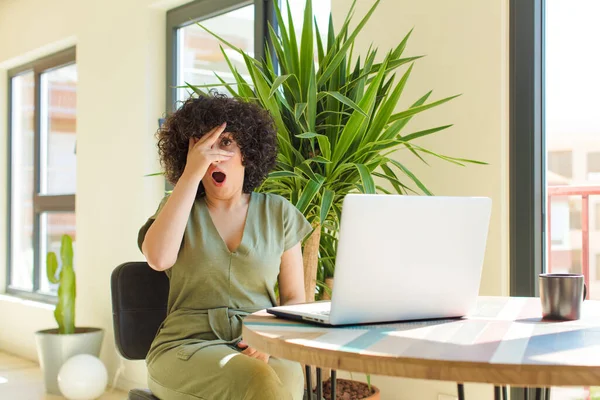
x: 82, y: 377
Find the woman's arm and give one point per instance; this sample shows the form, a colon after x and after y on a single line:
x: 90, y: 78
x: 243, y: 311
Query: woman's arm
x: 291, y: 277
x: 291, y: 289
x: 163, y: 239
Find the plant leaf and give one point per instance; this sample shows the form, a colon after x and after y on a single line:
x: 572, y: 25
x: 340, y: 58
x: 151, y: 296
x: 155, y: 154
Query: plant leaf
x: 412, y: 176
x: 424, y: 133
x: 343, y: 99
x: 367, y: 180
x: 298, y: 111
x: 309, y: 192
x: 277, y: 83
x: 326, y: 202
x: 318, y: 159
x: 339, y: 57
x: 415, y: 110
x: 283, y: 174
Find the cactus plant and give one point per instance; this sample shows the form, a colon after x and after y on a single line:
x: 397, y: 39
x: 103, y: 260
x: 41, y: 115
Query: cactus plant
x: 64, y: 312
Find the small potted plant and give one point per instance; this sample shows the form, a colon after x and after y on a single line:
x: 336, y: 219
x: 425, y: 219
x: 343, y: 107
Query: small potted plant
x: 55, y: 346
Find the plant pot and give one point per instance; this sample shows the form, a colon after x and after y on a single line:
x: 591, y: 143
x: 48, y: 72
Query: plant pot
x: 349, y: 386
x: 54, y: 349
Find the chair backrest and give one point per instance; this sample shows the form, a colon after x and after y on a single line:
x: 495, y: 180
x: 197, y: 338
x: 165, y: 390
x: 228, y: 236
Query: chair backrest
x: 139, y: 301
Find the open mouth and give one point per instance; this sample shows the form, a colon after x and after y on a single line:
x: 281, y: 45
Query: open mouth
x: 218, y: 177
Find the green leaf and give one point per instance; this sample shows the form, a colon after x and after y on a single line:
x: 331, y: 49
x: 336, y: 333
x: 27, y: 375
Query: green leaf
x: 230, y: 45
x: 412, y: 176
x: 345, y: 100
x: 416, y: 110
x: 307, y: 135
x: 299, y: 110
x: 320, y: 50
x: 307, y: 49
x: 51, y: 267
x: 424, y: 133
x: 244, y: 88
x: 312, y: 175
x: 318, y: 159
x: 195, y: 89
x: 367, y: 180
x: 387, y: 109
x: 324, y: 145
x: 277, y: 83
x: 283, y: 174
x: 210, y: 85
x: 154, y: 174
x: 397, y: 126
x: 356, y: 124
x: 400, y: 48
x: 293, y: 48
x: 339, y: 57
x: 309, y: 192
x: 392, y: 178
x: 326, y: 202
x: 311, y: 96
x: 454, y: 160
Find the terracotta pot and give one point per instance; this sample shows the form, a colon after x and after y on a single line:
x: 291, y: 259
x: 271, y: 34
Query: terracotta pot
x: 376, y: 395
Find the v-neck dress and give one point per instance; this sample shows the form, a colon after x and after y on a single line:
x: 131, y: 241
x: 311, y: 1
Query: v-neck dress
x: 194, y: 353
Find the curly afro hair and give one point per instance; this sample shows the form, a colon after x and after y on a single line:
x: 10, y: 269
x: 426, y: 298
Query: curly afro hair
x: 251, y: 126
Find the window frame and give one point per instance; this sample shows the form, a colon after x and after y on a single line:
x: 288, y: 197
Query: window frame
x: 41, y: 203
x: 187, y: 14
x: 528, y: 200
x: 527, y: 158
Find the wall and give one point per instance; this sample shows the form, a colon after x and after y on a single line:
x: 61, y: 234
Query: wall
x: 121, y: 94
x: 466, y: 47
x: 121, y: 59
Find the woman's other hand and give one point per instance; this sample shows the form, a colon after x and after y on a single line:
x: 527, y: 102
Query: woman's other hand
x: 250, y: 352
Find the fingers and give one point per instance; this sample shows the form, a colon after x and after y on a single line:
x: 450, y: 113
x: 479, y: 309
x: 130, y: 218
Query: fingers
x: 242, y: 345
x: 192, y: 143
x: 213, y: 135
x: 215, y: 158
x: 264, y: 357
x: 216, y: 152
x: 249, y: 351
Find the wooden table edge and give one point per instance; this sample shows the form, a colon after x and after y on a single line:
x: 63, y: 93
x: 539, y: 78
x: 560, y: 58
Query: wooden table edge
x: 533, y: 375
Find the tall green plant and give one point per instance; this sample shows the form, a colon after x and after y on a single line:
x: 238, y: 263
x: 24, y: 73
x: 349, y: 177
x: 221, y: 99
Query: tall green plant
x: 64, y: 313
x: 336, y: 118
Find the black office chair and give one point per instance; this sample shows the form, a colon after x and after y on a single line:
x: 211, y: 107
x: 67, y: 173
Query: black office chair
x: 139, y: 301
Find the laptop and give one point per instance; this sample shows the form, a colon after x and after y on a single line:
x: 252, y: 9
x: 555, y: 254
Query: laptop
x: 402, y: 258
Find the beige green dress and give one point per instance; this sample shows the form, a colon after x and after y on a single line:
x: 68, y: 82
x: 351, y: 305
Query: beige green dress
x: 194, y: 354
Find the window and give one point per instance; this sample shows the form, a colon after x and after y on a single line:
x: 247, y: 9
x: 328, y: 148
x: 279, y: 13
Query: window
x: 195, y: 56
x: 561, y: 163
x: 593, y: 162
x: 576, y: 262
x: 575, y: 219
x: 42, y: 156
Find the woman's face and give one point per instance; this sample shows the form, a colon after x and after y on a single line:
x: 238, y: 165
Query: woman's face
x: 225, y: 179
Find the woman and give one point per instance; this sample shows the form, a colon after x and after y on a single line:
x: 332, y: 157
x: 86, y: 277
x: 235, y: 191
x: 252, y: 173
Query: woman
x: 224, y: 247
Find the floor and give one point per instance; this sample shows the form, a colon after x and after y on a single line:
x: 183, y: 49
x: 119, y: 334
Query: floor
x: 22, y: 380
